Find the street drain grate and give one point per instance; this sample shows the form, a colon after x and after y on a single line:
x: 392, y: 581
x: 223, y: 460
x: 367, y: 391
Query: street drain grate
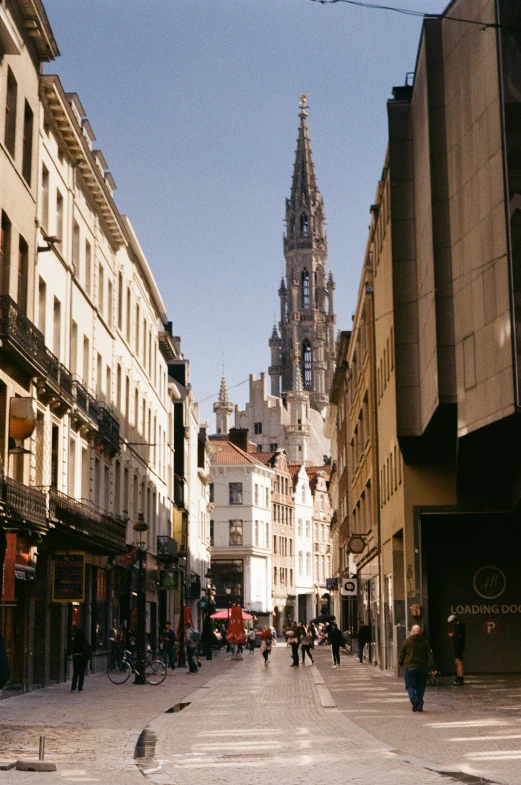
x: 177, y: 707
x: 146, y: 744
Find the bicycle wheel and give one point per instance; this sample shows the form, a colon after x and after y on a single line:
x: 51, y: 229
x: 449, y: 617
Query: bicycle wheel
x: 119, y: 674
x: 155, y: 672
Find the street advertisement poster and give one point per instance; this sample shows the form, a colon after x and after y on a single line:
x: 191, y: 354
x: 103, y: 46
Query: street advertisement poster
x: 68, y: 577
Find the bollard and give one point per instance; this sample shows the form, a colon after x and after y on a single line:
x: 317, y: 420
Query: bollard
x: 41, y: 754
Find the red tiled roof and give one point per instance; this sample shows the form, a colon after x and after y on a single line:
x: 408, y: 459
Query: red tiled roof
x: 228, y: 454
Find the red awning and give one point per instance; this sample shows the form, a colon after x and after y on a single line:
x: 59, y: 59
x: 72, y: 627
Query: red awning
x: 226, y: 613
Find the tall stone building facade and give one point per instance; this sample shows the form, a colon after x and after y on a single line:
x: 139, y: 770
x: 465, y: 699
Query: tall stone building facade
x: 291, y: 416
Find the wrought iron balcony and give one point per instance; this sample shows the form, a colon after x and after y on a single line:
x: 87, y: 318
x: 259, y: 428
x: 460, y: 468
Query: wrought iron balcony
x: 21, y: 338
x: 108, y: 430
x: 24, y: 503
x: 166, y: 548
x: 83, y: 518
x: 55, y: 385
x: 86, y: 412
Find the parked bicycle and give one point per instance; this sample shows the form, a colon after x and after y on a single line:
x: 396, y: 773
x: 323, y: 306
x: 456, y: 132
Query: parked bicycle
x: 119, y: 673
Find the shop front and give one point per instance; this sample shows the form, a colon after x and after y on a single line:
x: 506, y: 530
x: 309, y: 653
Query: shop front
x: 471, y: 568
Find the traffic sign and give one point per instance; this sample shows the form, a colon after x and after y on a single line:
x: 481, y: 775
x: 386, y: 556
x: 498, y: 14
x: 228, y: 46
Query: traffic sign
x: 349, y: 587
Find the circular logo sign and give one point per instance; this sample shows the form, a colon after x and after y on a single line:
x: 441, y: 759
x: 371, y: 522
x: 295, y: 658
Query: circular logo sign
x: 490, y: 627
x: 489, y: 582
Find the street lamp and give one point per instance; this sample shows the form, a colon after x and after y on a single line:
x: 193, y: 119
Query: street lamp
x: 140, y: 527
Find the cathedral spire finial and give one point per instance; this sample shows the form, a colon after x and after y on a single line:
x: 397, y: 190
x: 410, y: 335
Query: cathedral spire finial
x: 303, y: 103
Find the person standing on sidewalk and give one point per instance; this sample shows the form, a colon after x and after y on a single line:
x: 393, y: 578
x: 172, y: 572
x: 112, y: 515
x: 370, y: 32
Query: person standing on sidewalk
x: 336, y: 640
x: 252, y: 637
x: 306, y: 642
x: 192, y: 639
x: 168, y: 640
x: 81, y: 651
x: 416, y: 658
x: 267, y: 642
x: 364, y: 636
x: 458, y: 641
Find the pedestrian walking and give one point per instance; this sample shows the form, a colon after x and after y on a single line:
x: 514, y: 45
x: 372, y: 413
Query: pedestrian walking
x: 458, y: 636
x: 266, y: 644
x: 416, y: 657
x: 364, y: 636
x: 192, y: 639
x: 306, y: 643
x: 81, y: 654
x: 336, y: 640
x: 294, y: 636
x: 168, y: 640
x: 252, y: 637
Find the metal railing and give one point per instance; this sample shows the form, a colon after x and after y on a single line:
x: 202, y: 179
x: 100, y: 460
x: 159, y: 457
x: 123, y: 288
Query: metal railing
x: 87, y: 518
x: 166, y: 547
x: 24, y: 501
x: 20, y: 332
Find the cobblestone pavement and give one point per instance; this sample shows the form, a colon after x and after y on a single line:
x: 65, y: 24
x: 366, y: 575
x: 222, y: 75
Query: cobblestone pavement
x: 475, y: 729
x: 91, y: 735
x: 248, y: 722
x: 256, y: 724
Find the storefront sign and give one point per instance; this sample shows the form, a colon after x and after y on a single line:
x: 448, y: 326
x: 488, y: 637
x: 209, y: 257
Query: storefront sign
x: 349, y: 587
x: 332, y: 584
x: 489, y: 582
x: 168, y: 579
x: 68, y: 579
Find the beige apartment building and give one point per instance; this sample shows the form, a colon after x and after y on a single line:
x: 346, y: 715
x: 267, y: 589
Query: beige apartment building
x: 87, y: 349
x: 443, y: 252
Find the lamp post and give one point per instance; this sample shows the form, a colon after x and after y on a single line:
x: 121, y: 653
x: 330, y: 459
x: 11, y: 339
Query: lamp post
x: 181, y: 654
x: 140, y: 528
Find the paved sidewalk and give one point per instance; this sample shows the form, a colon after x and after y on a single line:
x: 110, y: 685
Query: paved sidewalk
x: 475, y: 729
x: 91, y: 735
x: 255, y: 724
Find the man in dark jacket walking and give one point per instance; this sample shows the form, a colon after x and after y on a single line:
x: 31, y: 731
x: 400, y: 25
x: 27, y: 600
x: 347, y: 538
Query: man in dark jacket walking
x: 416, y: 657
x: 336, y: 640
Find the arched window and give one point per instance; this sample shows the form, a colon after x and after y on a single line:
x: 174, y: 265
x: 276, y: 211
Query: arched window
x: 304, y: 225
x: 292, y: 225
x: 306, y: 366
x: 306, y: 290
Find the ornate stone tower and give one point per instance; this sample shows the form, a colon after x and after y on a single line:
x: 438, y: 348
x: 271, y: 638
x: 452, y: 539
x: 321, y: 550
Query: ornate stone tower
x: 306, y: 336
x: 223, y: 409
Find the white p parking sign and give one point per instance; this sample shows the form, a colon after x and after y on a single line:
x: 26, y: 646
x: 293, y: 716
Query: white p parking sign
x: 349, y: 587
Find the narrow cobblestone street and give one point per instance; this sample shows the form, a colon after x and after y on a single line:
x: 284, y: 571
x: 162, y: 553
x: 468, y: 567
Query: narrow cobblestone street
x: 243, y: 720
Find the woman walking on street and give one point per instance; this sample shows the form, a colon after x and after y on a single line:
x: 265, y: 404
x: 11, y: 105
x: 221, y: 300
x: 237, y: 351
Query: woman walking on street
x: 267, y: 641
x: 306, y: 642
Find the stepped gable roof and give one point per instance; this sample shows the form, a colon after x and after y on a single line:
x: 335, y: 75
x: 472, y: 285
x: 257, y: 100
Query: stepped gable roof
x: 228, y: 454
x: 312, y: 474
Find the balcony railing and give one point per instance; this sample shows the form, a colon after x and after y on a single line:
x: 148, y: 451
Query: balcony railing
x: 20, y: 335
x: 87, y: 519
x: 166, y: 547
x: 24, y: 502
x: 87, y: 408
x: 108, y: 430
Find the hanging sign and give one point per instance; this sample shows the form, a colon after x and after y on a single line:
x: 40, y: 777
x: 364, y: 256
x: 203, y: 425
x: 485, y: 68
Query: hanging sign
x: 68, y: 577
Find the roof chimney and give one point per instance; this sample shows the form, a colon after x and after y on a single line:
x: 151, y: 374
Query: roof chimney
x: 239, y: 437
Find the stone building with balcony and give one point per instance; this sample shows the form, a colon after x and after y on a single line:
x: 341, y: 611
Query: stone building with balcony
x: 85, y: 340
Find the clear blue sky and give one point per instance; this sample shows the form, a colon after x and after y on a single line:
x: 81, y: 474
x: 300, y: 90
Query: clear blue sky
x: 195, y: 106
